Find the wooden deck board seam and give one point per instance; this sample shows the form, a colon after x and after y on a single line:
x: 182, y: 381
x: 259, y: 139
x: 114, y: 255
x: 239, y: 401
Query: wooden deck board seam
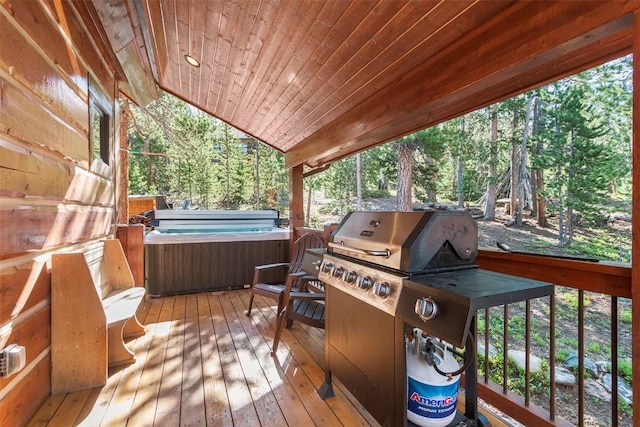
x: 205, y: 344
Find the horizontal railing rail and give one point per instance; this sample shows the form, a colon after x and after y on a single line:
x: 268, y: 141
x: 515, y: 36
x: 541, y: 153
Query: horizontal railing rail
x: 603, y: 277
x: 598, y: 280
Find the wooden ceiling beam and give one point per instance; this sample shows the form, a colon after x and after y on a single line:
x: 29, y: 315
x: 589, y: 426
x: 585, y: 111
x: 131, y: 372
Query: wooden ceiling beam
x: 430, y: 31
x: 116, y: 19
x: 156, y: 34
x: 502, y: 86
x: 321, y: 80
x: 424, y: 98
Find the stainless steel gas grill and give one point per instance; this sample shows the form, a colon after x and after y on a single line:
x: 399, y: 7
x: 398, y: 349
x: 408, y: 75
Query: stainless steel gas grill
x: 389, y: 272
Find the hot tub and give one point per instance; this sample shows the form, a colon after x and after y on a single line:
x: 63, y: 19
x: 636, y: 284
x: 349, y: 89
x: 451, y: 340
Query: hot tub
x: 197, y: 251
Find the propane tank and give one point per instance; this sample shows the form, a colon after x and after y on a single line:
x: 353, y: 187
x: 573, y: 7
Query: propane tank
x: 432, y: 398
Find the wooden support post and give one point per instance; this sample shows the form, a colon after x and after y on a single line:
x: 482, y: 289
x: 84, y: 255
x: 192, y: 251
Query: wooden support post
x: 635, y: 207
x: 326, y: 232
x: 132, y: 240
x: 122, y: 154
x: 296, y: 201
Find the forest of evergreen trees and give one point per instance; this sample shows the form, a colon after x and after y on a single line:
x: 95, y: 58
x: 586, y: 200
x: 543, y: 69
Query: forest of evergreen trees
x: 563, y: 150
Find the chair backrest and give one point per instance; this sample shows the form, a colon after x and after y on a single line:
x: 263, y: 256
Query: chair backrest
x: 161, y: 202
x: 304, y: 242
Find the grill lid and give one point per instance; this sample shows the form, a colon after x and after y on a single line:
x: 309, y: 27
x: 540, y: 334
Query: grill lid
x: 410, y: 242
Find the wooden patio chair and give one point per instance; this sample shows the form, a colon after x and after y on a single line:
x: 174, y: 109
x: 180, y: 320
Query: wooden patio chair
x: 273, y: 288
x: 305, y: 305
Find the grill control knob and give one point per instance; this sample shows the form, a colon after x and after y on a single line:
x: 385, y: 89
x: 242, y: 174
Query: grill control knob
x: 349, y: 277
x: 337, y: 271
x: 364, y: 282
x: 426, y: 309
x: 326, y: 267
x: 382, y: 289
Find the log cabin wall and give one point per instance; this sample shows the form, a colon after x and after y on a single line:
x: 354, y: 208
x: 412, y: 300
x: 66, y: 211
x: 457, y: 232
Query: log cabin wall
x: 54, y: 196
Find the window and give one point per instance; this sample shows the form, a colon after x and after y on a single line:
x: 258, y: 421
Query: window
x: 99, y: 123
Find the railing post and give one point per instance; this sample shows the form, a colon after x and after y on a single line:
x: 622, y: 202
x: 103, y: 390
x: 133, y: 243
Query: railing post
x: 635, y: 221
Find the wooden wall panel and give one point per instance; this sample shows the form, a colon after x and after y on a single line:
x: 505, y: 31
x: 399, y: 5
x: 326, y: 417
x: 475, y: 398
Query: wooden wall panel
x: 32, y: 18
x: 46, y: 227
x: 22, y: 287
x: 21, y: 110
x: 17, y: 408
x: 83, y: 45
x: 34, y: 333
x: 41, y: 76
x: 27, y: 172
x: 90, y: 188
x: 52, y: 196
x: 141, y: 204
x: 41, y: 21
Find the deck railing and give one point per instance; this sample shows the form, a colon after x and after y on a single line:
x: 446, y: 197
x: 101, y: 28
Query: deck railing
x: 535, y: 401
x: 528, y: 402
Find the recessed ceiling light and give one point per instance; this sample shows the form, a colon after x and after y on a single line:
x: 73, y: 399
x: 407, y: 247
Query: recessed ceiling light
x: 192, y: 61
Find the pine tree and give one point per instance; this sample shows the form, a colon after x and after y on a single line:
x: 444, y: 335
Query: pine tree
x: 569, y: 134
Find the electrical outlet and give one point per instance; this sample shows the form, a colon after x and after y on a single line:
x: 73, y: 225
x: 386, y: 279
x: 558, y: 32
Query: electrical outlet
x: 12, y: 359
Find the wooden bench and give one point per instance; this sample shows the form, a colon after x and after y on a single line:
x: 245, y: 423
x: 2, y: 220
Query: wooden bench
x: 93, y: 310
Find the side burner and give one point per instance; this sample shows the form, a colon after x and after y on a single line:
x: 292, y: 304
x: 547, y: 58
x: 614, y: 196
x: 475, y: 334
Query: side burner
x: 458, y: 295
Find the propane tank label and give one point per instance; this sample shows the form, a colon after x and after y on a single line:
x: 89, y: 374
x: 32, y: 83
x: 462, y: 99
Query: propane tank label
x: 432, y: 401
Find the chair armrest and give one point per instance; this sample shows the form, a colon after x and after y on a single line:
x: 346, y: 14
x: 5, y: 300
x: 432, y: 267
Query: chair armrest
x: 271, y: 266
x: 306, y: 296
x: 298, y: 275
x: 260, y: 271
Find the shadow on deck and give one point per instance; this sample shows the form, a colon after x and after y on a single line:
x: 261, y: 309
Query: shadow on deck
x: 204, y: 362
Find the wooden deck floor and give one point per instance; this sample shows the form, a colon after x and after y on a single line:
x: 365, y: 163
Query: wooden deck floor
x: 204, y: 362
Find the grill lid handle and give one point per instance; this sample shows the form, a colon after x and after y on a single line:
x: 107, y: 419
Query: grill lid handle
x: 384, y: 253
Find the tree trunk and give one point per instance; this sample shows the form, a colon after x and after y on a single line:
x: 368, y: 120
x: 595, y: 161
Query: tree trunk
x: 524, y: 189
x: 570, y: 201
x: 561, y: 236
x: 358, y: 182
x: 147, y: 148
x: 534, y: 152
x: 309, y: 193
x: 541, y: 211
x: 432, y: 195
x: 257, y: 145
x: 459, y: 166
x: 490, y: 206
x: 405, y: 172
x: 514, y: 169
x: 227, y: 198
x: 123, y: 170
x: 459, y: 182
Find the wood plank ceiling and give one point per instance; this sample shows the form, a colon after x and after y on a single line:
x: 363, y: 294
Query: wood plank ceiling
x: 321, y: 80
